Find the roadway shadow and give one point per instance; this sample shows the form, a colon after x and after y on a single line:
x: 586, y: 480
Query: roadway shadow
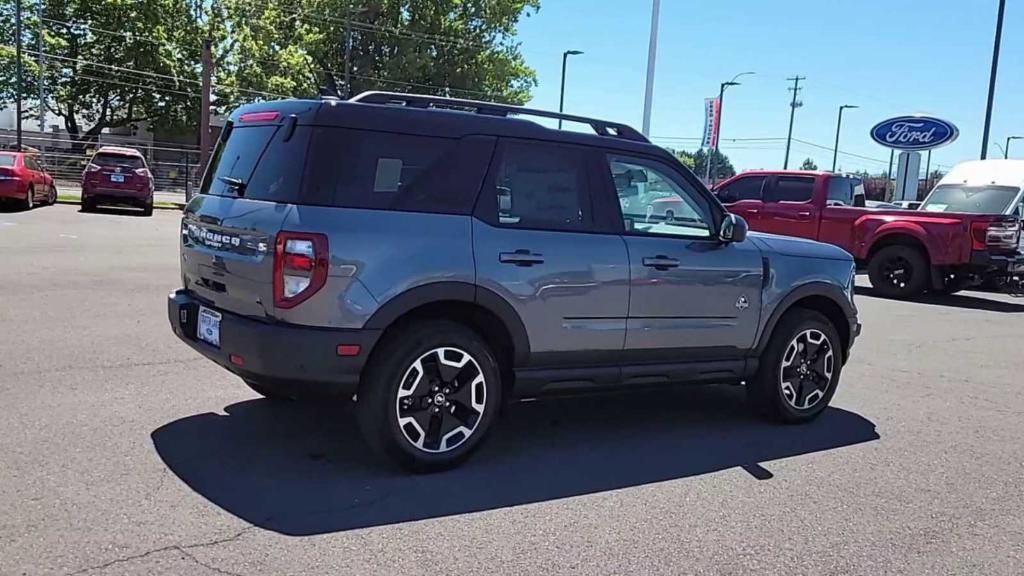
x: 301, y: 469
x: 961, y: 300
x: 115, y: 211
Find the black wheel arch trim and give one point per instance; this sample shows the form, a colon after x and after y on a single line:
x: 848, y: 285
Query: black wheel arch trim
x: 437, y: 292
x: 816, y: 288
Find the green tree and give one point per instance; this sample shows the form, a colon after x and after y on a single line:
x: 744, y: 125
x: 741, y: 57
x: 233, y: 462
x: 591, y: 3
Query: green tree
x: 808, y: 164
x: 685, y: 157
x: 723, y: 167
x: 107, y: 64
x: 459, y: 48
x: 113, y: 63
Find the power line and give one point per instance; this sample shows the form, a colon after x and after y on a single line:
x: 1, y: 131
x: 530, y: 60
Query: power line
x: 128, y: 35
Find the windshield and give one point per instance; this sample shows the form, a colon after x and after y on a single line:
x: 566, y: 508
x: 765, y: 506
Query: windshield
x: 971, y: 199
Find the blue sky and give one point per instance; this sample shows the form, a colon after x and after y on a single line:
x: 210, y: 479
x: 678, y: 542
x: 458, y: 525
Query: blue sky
x: 890, y: 57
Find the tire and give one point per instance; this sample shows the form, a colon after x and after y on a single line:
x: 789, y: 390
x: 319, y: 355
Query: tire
x: 30, y: 198
x: 899, y: 272
x: 787, y: 390
x: 147, y: 210
x: 412, y: 407
x: 268, y: 392
x: 88, y: 205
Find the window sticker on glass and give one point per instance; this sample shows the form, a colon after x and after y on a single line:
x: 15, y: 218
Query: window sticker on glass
x: 389, y: 175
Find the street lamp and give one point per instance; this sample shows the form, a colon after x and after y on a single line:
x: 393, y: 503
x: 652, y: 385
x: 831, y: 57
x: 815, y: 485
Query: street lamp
x: 1006, y: 149
x: 561, y: 96
x: 712, y: 173
x: 992, y: 78
x: 835, y: 152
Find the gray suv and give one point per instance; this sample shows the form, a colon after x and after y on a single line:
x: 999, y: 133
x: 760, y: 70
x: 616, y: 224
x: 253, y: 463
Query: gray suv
x: 437, y: 258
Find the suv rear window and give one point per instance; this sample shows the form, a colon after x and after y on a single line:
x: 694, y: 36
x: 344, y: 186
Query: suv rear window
x: 259, y: 158
x: 120, y: 160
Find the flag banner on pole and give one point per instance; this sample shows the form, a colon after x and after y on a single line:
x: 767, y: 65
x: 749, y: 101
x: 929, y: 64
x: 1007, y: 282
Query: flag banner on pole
x: 711, y: 112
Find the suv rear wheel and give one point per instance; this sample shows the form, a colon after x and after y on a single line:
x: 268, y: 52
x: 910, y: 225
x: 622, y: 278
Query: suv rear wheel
x: 899, y: 272
x: 799, y: 370
x: 429, y: 395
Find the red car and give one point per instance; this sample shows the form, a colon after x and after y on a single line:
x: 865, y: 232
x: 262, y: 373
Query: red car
x: 25, y: 181
x: 117, y: 176
x: 905, y: 252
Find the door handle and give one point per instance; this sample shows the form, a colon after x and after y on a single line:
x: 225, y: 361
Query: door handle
x: 803, y: 215
x: 753, y: 212
x: 660, y: 262
x: 520, y: 257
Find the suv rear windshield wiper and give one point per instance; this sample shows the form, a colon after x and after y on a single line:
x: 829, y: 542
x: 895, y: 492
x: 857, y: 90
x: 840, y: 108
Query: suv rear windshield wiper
x: 235, y: 184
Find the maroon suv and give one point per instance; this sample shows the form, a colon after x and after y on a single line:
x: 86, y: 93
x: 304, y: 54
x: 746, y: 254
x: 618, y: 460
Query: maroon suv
x: 117, y: 176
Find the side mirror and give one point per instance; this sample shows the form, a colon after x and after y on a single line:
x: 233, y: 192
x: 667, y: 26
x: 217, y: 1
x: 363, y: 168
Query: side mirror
x: 733, y: 229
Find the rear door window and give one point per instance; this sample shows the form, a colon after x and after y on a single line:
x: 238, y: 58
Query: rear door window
x: 792, y: 189
x: 387, y: 171
x: 840, y: 191
x: 6, y: 160
x: 745, y: 188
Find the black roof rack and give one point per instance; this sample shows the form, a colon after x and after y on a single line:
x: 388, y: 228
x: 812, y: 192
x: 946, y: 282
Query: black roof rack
x: 601, y: 127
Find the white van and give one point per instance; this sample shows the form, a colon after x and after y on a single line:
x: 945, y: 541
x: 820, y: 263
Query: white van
x: 979, y: 187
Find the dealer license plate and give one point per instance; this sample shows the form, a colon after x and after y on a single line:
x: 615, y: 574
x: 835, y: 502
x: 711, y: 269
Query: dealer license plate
x: 209, y: 326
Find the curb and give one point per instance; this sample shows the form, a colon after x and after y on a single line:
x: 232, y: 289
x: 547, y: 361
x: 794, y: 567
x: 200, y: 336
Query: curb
x: 156, y: 205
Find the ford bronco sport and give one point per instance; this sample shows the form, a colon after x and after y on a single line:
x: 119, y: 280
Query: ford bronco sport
x: 438, y: 257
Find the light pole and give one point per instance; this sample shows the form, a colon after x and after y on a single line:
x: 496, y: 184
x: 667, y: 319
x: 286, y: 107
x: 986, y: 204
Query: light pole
x: 1006, y: 149
x: 561, y: 95
x: 839, y: 125
x: 992, y: 78
x: 652, y: 51
x: 713, y: 160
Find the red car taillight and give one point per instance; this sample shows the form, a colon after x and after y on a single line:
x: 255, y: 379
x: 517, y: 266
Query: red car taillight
x: 1003, y: 235
x: 92, y: 167
x: 300, y: 267
x: 144, y: 172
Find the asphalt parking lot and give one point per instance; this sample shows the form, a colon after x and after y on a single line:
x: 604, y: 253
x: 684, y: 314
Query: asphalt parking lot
x: 124, y: 452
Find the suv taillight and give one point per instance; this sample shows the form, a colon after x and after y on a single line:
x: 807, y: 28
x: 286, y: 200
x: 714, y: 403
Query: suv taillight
x: 300, y: 267
x: 144, y: 172
x: 92, y: 167
x: 1004, y: 235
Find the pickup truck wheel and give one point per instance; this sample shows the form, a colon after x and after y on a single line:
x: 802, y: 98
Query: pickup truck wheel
x: 429, y: 395
x: 268, y: 392
x: 899, y: 272
x: 799, y: 370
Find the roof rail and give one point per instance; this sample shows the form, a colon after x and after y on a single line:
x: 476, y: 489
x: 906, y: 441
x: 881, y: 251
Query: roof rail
x: 601, y: 127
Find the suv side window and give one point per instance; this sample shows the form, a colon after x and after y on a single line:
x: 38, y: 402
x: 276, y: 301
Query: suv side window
x: 840, y: 191
x: 653, y: 201
x: 540, y: 186
x: 793, y: 189
x: 745, y: 188
x: 390, y: 171
x: 31, y: 164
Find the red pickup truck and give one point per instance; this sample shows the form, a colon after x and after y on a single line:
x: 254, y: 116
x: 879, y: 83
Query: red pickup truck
x: 905, y: 252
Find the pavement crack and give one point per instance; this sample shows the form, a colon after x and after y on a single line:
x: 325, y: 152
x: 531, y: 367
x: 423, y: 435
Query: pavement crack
x: 178, y: 547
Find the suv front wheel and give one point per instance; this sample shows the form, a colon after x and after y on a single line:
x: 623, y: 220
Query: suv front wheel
x: 429, y: 395
x: 799, y: 369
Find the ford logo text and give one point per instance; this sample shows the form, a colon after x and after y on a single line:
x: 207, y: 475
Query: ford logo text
x: 914, y: 133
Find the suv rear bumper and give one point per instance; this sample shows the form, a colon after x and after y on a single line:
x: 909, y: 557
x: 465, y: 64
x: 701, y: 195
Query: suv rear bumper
x: 297, y: 360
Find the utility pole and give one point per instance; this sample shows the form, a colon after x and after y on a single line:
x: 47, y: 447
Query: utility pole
x: 888, y: 174
x: 42, y: 71
x: 793, y: 105
x: 348, y: 52
x: 928, y: 173
x: 204, y: 113
x: 992, y: 79
x: 652, y: 51
x: 17, y: 71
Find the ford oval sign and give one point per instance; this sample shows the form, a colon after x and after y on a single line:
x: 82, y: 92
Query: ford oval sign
x: 914, y: 133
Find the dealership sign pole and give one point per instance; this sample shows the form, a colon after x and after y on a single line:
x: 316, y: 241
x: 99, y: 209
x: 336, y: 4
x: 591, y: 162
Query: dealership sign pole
x: 910, y: 135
